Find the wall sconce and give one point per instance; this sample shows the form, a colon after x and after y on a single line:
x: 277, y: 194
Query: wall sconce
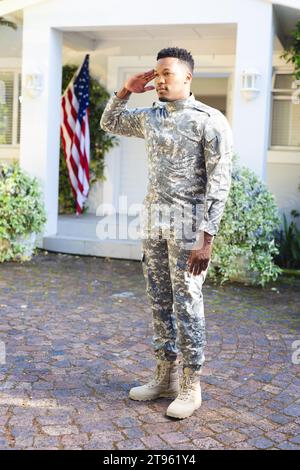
x: 250, y: 83
x: 34, y: 84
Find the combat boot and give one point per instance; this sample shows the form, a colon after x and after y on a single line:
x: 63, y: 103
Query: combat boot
x: 189, y: 396
x: 165, y: 383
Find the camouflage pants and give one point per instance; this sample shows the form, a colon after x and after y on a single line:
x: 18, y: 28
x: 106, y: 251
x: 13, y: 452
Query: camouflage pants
x: 176, y: 300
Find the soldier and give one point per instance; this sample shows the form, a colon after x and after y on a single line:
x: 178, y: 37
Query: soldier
x: 189, y: 146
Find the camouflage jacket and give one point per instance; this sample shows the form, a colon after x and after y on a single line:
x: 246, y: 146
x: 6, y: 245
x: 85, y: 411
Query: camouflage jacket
x: 189, y: 147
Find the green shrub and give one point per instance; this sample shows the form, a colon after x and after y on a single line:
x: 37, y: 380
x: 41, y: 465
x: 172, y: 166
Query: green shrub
x: 22, y: 211
x: 245, y: 244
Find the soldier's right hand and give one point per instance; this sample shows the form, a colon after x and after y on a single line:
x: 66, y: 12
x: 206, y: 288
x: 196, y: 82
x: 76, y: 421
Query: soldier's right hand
x: 136, y: 83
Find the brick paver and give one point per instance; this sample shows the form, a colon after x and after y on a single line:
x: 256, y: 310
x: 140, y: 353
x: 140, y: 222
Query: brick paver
x: 77, y: 333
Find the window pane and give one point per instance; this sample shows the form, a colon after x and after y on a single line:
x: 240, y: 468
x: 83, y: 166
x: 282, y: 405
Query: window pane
x: 284, y: 80
x: 295, y: 128
x: 6, y: 107
x: 285, y: 123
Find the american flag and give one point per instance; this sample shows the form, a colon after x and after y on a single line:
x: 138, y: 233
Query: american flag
x: 75, y: 133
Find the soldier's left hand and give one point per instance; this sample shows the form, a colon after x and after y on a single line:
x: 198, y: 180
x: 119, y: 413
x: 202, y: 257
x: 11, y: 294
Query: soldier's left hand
x: 199, y: 259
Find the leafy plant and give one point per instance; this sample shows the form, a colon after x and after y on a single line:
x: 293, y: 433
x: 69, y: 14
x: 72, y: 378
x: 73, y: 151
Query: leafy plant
x: 288, y: 242
x: 21, y: 211
x: 245, y: 241
x: 101, y: 142
x: 9, y: 24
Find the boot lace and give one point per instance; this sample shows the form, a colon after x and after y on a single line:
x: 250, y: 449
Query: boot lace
x: 187, y: 385
x: 159, y: 374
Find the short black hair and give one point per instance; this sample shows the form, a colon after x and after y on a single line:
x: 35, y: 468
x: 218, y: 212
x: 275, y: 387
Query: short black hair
x: 179, y: 53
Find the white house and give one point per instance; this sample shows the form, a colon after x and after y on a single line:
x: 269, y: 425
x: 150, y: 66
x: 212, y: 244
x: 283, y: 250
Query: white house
x: 228, y: 39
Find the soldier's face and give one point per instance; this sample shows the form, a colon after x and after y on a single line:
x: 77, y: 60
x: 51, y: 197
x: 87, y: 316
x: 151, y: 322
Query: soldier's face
x: 172, y: 79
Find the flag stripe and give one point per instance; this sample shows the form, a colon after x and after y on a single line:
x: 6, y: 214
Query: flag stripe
x: 75, y: 133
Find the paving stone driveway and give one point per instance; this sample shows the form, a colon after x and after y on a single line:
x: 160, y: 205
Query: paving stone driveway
x: 77, y: 335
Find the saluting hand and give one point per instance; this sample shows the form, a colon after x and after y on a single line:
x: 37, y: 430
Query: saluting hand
x: 136, y: 83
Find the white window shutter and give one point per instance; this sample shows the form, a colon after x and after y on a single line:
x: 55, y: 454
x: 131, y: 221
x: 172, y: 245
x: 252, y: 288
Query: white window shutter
x: 285, y: 113
x: 6, y: 107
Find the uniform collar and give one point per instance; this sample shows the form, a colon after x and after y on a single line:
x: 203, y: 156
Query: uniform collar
x: 176, y: 104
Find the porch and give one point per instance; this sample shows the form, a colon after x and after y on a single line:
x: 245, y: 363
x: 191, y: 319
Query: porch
x: 217, y: 34
x: 80, y: 235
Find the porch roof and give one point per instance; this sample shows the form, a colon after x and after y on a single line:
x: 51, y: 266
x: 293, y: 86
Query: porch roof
x: 287, y: 13
x: 10, y: 6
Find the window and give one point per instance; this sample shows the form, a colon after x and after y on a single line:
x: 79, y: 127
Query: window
x: 10, y: 107
x: 285, y: 114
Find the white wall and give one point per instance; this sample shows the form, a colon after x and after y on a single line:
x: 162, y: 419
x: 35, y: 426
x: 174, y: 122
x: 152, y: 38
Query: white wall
x: 41, y: 116
x: 283, y: 180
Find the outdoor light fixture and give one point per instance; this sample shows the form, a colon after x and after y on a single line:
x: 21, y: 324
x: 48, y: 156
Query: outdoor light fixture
x: 34, y: 84
x: 250, y: 83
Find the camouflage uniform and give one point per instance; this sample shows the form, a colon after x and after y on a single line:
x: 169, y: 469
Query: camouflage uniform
x: 189, y: 147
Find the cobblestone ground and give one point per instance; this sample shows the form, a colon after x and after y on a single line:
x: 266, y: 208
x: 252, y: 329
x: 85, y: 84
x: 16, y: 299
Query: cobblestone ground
x: 77, y: 333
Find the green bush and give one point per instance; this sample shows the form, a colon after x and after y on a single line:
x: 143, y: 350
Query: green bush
x: 244, y: 247
x: 22, y: 211
x: 292, y: 51
x: 288, y: 242
x: 100, y: 140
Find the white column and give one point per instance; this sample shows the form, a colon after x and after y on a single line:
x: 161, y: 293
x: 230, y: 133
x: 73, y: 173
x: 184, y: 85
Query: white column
x: 250, y: 122
x: 40, y: 118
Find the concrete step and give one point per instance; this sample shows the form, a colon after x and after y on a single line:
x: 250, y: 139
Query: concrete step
x: 81, y: 235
